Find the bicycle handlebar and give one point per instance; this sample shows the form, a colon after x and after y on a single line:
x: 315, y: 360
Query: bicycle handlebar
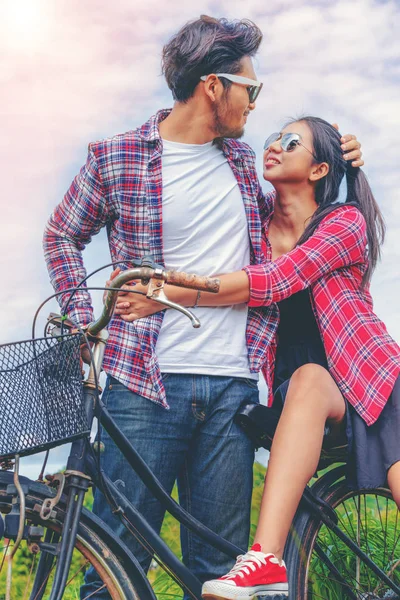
x: 177, y: 278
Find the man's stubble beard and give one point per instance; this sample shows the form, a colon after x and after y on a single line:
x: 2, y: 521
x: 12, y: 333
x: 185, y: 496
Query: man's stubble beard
x: 219, y: 111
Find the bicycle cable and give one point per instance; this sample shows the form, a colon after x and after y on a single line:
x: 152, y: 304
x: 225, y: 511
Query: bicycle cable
x: 134, y: 262
x: 72, y: 291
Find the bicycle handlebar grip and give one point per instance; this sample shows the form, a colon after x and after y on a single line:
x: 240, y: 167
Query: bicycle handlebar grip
x: 195, y: 282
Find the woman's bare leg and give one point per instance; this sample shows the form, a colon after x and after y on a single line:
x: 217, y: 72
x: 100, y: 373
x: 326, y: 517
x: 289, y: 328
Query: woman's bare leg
x: 312, y: 398
x: 394, y: 482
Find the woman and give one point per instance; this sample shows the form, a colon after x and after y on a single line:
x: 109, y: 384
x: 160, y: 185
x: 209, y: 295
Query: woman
x: 331, y: 359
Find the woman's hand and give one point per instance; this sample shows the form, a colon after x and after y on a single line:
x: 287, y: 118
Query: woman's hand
x: 132, y: 305
x: 352, y: 148
x: 234, y: 289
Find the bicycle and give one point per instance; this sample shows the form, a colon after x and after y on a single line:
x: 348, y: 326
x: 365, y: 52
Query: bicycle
x: 54, y: 526
x: 342, y: 542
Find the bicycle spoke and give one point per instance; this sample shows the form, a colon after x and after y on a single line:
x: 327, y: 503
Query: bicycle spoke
x: 364, y: 530
x: 341, y: 522
x: 380, y: 586
x: 29, y: 578
x: 94, y: 592
x: 388, y: 558
x: 353, y: 534
x: 386, y: 526
x: 394, y: 534
x: 347, y: 574
x: 372, y: 522
x: 334, y: 583
x: 334, y: 573
x: 5, y: 551
x: 366, y: 525
x: 377, y: 504
x: 363, y: 524
x: 26, y: 581
x: 395, y: 547
x: 77, y: 573
x: 43, y: 586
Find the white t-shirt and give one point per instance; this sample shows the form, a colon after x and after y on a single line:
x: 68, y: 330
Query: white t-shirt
x: 205, y: 231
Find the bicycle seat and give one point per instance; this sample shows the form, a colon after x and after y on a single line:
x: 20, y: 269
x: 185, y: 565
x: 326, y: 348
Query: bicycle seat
x: 259, y: 422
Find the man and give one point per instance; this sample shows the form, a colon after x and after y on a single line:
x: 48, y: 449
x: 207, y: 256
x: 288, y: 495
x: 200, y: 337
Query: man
x: 183, y: 189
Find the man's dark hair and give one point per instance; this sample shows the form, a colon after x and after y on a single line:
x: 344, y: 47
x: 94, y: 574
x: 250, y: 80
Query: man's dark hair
x: 205, y: 46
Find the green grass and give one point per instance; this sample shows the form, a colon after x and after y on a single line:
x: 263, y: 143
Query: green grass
x: 323, y: 587
x: 377, y: 535
x: 22, y: 565
x: 164, y: 587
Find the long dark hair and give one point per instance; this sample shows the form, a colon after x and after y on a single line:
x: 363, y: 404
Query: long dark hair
x: 207, y: 45
x: 327, y: 148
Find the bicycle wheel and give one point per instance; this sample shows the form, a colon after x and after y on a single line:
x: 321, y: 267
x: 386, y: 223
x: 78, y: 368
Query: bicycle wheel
x: 92, y: 548
x: 372, y: 520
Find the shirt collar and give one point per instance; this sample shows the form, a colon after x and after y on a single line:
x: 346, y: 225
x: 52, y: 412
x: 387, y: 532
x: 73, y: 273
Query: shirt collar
x: 231, y: 150
x: 150, y: 132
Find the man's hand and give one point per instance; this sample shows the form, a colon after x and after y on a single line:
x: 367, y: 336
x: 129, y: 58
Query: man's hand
x: 85, y: 353
x: 84, y: 350
x: 133, y: 306
x: 351, y: 147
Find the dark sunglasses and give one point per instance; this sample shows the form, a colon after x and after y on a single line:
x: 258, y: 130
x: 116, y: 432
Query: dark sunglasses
x: 288, y: 141
x: 253, y: 87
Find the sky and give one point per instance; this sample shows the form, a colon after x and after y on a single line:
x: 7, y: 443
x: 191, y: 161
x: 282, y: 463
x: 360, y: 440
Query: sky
x: 72, y: 72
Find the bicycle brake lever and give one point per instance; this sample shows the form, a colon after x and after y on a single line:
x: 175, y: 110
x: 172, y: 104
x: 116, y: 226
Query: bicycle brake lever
x: 156, y: 292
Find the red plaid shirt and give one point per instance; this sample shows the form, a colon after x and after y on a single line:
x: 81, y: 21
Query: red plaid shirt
x: 362, y: 357
x: 120, y: 187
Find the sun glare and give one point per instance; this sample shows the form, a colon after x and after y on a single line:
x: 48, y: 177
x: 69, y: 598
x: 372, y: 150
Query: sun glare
x: 24, y: 22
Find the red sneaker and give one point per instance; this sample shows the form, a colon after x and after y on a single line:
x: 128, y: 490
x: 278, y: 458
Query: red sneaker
x: 254, y: 573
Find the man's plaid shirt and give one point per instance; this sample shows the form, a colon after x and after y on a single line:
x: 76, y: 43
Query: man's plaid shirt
x: 120, y: 187
x: 362, y: 357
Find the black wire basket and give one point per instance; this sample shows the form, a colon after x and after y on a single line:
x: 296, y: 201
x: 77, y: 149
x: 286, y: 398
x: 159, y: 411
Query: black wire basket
x: 41, y: 395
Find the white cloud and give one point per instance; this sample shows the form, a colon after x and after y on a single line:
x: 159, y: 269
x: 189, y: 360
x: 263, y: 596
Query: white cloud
x: 77, y: 71
x: 340, y: 61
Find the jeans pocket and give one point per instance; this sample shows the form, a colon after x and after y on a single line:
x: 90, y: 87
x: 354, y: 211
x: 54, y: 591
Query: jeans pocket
x: 112, y: 384
x: 165, y: 376
x: 252, y: 383
x: 105, y: 394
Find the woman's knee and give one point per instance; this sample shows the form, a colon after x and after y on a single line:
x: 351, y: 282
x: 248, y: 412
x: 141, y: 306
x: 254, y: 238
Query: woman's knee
x: 311, y: 376
x: 312, y: 385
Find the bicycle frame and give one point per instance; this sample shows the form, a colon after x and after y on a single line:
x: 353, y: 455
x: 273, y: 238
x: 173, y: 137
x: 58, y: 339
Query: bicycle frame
x: 82, y: 471
x: 79, y: 478
x: 133, y: 520
x: 139, y: 527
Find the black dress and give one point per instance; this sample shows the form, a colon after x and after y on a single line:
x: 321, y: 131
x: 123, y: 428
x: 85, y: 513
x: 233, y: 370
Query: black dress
x: 373, y: 449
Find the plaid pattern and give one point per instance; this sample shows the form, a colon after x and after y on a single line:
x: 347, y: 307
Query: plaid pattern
x: 362, y: 358
x: 120, y: 187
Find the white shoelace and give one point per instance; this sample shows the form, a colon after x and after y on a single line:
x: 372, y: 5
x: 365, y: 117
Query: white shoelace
x: 249, y: 562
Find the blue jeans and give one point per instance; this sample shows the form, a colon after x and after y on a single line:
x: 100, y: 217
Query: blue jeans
x: 195, y: 443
